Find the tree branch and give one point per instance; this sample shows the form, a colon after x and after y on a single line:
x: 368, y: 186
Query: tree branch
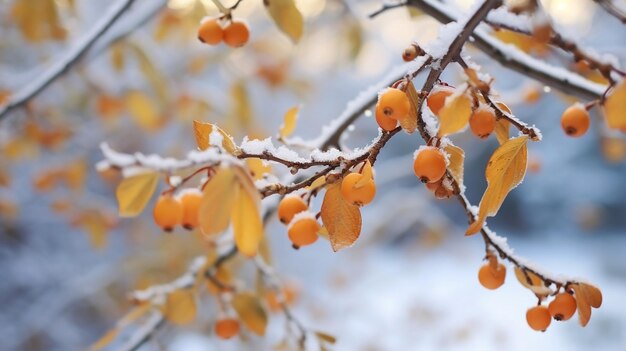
x: 68, y: 60
x: 612, y: 9
x: 513, y: 58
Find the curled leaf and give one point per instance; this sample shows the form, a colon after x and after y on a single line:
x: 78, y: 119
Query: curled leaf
x: 582, y: 304
x: 456, y: 156
x: 341, y: 218
x: 505, y: 170
x: 409, y: 123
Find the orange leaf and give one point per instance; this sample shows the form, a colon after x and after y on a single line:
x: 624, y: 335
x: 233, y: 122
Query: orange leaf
x: 204, y: 132
x: 582, y: 304
x: 409, y: 123
x: 342, y: 219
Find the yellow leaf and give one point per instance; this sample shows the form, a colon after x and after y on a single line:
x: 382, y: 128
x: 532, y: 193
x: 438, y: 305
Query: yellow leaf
x: 133, y: 193
x: 409, y: 123
x: 614, y: 149
x: 241, y: 109
x: 258, y: 167
x: 203, y: 131
x: 143, y: 111
x: 592, y: 294
x: 117, y: 56
x: 247, y: 223
x: 502, y: 130
x: 218, y: 198
x: 286, y: 16
x: 104, y: 340
x: 582, y: 304
x: 615, y: 106
x: 180, y: 307
x: 454, y: 115
x: 341, y: 218
x: 251, y: 312
x: 505, y: 170
x: 289, y: 122
x: 326, y: 337
x: 317, y: 183
x: 531, y: 281
x: 456, y: 156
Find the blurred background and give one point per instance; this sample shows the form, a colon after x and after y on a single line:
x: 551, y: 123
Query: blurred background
x: 67, y: 261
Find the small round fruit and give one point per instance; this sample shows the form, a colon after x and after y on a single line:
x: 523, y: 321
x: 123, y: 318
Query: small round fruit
x: 361, y: 195
x: 236, y: 34
x: 429, y: 164
x: 303, y: 231
x: 289, y: 206
x: 191, y: 200
x: 410, y: 53
x: 168, y: 212
x: 538, y: 318
x: 562, y: 307
x: 210, y: 31
x: 385, y: 123
x: 437, y: 98
x: 575, y: 121
x: 393, y: 103
x: 227, y: 328
x: 482, y: 122
x: 490, y: 278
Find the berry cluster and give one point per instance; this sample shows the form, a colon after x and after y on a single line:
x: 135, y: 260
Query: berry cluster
x: 234, y: 34
x: 170, y: 211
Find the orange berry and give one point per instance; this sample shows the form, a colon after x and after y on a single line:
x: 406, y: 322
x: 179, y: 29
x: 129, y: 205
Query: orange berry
x: 236, y: 34
x: 562, y: 307
x: 384, y: 122
x: 393, y: 103
x: 482, y: 122
x: 429, y: 164
x: 490, y: 278
x: 575, y: 120
x: 538, y: 318
x: 210, y: 31
x: 410, y: 53
x: 437, y: 98
x: 168, y: 212
x: 303, y: 230
x: 361, y: 195
x: 226, y: 328
x: 191, y: 200
x: 289, y: 206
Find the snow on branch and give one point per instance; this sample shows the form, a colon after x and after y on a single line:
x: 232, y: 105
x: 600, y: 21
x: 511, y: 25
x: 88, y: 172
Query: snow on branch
x: 68, y: 59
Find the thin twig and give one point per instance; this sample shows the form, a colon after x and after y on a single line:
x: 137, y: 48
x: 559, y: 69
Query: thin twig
x: 613, y: 10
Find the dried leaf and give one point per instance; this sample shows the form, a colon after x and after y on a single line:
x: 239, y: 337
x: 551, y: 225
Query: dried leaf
x: 218, y: 198
x: 247, y: 223
x: 202, y: 132
x: 286, y: 16
x: 326, y: 337
x: 409, y: 123
x: 180, y: 307
x: 251, y: 312
x: 133, y: 193
x: 531, y: 281
x: 592, y: 294
x: 289, y: 122
x: 582, y: 304
x: 456, y: 157
x: 614, y: 106
x: 505, y: 170
x: 454, y: 115
x: 341, y: 218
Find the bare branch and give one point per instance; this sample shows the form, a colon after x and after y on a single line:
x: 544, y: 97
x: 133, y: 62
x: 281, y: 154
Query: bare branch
x: 64, y: 63
x: 612, y: 9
